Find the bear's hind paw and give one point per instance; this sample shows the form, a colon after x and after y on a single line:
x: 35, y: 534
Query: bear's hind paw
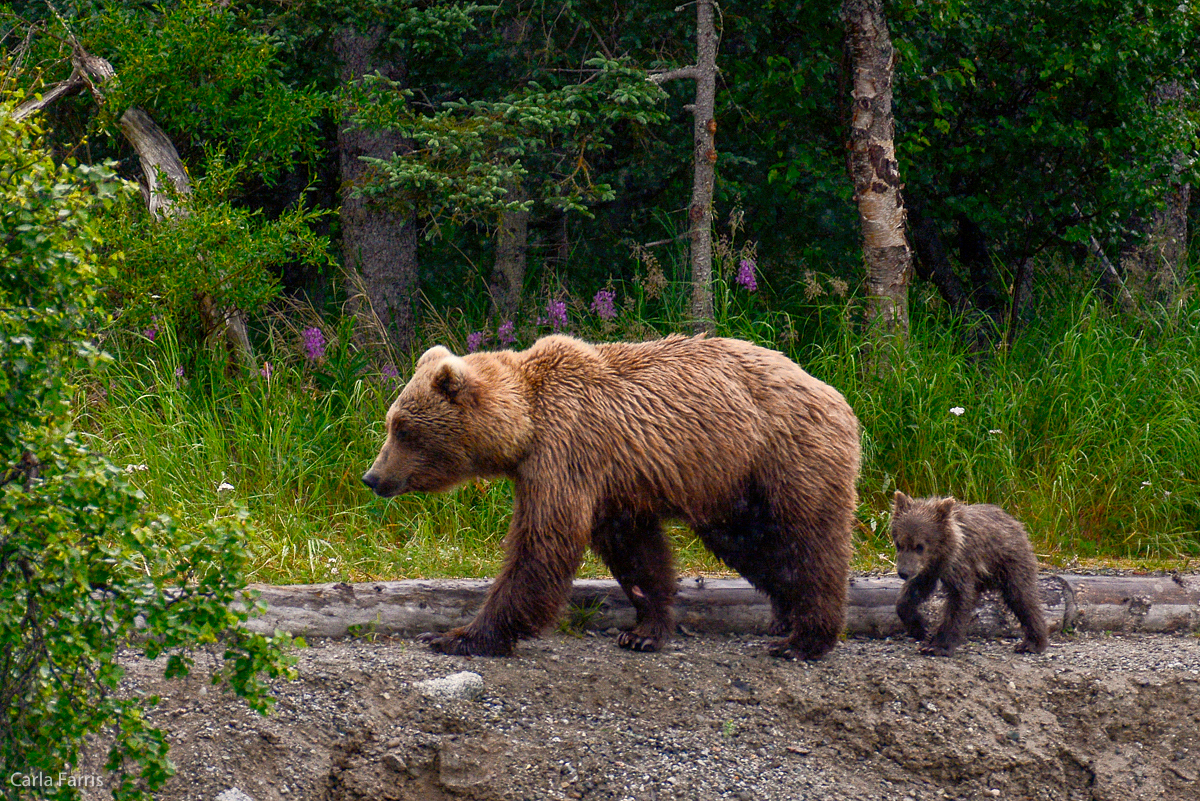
x: 459, y: 643
x: 633, y: 641
x: 791, y: 650
x: 1030, y: 647
x: 936, y: 650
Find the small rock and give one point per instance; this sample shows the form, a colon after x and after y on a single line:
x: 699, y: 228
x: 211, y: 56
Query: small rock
x: 395, y: 763
x: 465, y: 686
x: 233, y: 794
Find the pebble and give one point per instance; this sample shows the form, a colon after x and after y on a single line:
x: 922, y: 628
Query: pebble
x: 465, y: 686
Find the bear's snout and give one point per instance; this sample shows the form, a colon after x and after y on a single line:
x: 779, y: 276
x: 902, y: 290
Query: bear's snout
x: 382, y: 488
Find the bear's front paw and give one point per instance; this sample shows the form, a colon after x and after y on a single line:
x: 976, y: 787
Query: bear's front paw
x: 458, y: 642
x: 937, y: 650
x: 638, y: 642
x: 917, y: 631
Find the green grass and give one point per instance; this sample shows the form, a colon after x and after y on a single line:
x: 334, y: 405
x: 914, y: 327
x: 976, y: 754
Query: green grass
x: 1088, y: 431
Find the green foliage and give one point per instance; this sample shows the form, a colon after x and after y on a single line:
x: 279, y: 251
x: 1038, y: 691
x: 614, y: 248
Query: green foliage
x: 85, y: 571
x: 467, y: 153
x: 1043, y: 122
x: 229, y: 252
x: 209, y: 79
x: 48, y: 272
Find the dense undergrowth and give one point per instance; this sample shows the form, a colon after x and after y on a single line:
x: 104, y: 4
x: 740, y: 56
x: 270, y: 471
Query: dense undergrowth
x: 1088, y: 429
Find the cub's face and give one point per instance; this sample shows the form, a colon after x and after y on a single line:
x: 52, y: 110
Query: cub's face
x: 453, y: 421
x: 921, y: 532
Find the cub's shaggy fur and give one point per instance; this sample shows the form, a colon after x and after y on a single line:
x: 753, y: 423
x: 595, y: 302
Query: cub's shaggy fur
x: 602, y: 442
x: 969, y: 548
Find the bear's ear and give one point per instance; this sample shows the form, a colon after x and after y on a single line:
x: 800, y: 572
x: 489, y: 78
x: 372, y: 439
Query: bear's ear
x: 901, y: 503
x: 433, y: 354
x: 451, y: 378
x: 941, y: 512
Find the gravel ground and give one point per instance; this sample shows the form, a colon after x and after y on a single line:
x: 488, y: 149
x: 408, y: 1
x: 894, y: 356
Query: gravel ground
x: 710, y: 717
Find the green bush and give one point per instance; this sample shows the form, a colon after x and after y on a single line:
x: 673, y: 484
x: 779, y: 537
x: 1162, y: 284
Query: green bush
x: 85, y: 570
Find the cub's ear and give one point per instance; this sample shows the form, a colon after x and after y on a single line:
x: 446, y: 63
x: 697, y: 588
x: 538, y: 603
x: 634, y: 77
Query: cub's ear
x: 944, y: 507
x: 452, y: 378
x: 433, y: 354
x: 901, y: 503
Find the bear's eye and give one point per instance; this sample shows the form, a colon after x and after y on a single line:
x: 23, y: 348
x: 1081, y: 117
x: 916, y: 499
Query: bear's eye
x: 401, y: 433
x: 919, y: 549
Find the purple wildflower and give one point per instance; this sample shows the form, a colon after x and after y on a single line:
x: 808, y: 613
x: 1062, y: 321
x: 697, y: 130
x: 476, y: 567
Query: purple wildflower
x: 179, y: 371
x: 314, y: 344
x: 556, y: 314
x: 266, y: 370
x: 505, y: 333
x: 475, y: 340
x: 602, y: 304
x: 745, y: 276
x: 390, y: 373
x: 150, y: 333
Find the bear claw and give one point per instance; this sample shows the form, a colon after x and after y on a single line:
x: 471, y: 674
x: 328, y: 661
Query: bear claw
x: 936, y: 650
x: 790, y: 650
x: 453, y: 644
x: 635, y: 642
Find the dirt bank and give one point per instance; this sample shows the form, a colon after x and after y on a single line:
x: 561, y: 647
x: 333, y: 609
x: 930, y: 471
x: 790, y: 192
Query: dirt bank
x: 712, y: 717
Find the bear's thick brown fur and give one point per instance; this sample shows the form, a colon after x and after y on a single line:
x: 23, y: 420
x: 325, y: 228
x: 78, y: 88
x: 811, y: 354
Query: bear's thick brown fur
x: 604, y: 441
x: 969, y: 548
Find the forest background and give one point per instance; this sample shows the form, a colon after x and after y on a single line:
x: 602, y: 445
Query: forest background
x: 367, y: 179
x: 229, y: 227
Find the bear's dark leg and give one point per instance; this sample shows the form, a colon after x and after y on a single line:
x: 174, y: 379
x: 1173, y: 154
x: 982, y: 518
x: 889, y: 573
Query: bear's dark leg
x: 636, y: 551
x: 544, y: 547
x: 908, y: 606
x: 806, y: 583
x: 1020, y: 593
x: 815, y: 606
x: 960, y: 603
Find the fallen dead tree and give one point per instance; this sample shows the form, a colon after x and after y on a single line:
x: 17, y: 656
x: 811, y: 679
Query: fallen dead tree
x: 1072, y: 602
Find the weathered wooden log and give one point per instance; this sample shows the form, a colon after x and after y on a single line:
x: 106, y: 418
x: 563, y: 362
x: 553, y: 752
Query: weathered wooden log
x: 1135, y: 603
x: 1086, y: 603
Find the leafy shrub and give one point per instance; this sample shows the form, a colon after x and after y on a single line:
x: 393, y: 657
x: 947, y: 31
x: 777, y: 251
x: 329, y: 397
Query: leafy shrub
x: 85, y: 570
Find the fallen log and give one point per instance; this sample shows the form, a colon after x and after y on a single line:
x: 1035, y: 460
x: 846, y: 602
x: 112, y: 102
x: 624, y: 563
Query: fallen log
x: 731, y: 606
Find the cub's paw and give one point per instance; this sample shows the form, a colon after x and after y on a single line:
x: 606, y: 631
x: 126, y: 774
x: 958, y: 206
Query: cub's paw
x: 458, y: 642
x: 634, y: 641
x: 917, y: 632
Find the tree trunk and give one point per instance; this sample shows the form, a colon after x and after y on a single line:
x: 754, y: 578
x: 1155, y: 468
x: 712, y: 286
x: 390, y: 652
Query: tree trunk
x: 704, y: 160
x: 512, y: 245
x: 1154, y: 268
x: 873, y: 169
x: 560, y: 252
x: 379, y: 246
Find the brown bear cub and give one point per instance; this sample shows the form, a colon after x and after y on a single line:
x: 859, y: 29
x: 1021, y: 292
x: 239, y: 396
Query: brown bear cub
x: 970, y: 548
x: 602, y: 442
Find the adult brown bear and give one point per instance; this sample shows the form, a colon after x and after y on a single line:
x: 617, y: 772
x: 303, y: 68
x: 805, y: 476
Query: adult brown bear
x: 604, y: 441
